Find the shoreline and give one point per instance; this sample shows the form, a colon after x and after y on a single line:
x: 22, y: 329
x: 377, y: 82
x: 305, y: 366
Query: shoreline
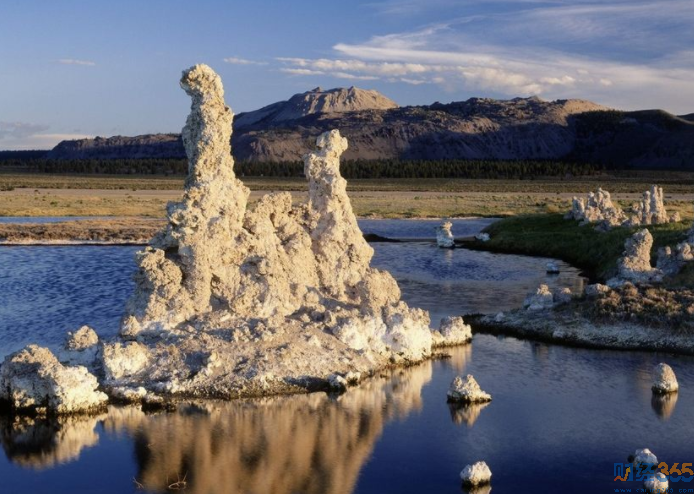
x: 553, y: 328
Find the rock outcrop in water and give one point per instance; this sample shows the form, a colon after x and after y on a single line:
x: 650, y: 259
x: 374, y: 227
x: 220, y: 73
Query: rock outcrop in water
x: 235, y: 302
x: 466, y: 390
x: 444, y: 236
x: 664, y: 379
x: 476, y: 474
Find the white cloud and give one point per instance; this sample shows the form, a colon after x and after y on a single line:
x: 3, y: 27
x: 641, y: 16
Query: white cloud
x: 243, y: 61
x: 72, y: 61
x: 627, y: 54
x: 22, y: 135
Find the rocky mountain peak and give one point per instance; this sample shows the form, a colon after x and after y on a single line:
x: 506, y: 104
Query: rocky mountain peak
x: 317, y: 100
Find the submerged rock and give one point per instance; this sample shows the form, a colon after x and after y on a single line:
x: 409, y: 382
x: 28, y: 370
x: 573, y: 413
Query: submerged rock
x: 466, y: 391
x: 664, y: 380
x: 552, y: 268
x: 34, y: 379
x: 476, y: 474
x: 444, y: 236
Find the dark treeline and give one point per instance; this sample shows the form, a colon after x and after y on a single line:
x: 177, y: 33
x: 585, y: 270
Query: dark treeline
x: 482, y: 169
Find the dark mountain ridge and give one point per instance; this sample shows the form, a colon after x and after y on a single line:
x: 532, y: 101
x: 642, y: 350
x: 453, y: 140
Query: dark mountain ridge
x: 475, y: 129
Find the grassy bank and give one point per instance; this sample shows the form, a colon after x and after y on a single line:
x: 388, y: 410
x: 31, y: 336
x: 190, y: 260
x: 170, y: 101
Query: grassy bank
x: 550, y: 235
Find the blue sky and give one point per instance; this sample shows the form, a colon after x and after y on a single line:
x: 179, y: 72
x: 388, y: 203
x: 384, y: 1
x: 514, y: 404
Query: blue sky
x: 70, y: 69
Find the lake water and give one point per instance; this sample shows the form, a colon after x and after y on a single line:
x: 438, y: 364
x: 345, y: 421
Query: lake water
x: 559, y: 420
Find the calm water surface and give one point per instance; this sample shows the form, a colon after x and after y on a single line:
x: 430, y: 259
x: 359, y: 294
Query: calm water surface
x: 559, y: 420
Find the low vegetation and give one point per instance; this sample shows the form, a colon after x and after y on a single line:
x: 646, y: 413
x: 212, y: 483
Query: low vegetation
x: 551, y: 235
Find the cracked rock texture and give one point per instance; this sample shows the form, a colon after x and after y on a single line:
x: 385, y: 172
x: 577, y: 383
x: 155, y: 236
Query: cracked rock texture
x: 33, y: 378
x: 231, y: 301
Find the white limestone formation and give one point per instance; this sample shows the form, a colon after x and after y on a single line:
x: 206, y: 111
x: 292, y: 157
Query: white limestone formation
x: 34, y: 379
x: 466, y: 391
x: 578, y: 209
x: 643, y: 459
x: 656, y: 484
x: 231, y: 301
x: 651, y: 209
x: 539, y: 300
x: 452, y: 331
x: 671, y: 261
x: 444, y: 236
x: 476, y: 474
x: 599, y: 208
x: 664, y: 379
x: 80, y: 348
x: 635, y: 263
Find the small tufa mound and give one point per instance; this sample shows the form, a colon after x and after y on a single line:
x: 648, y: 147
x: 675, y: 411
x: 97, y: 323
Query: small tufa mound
x: 643, y: 459
x: 664, y: 379
x: 467, y: 391
x: 635, y: 263
x: 597, y: 290
x: 82, y: 339
x: 444, y: 236
x: 452, y: 331
x: 542, y: 299
x: 656, y: 484
x: 34, y: 379
x: 476, y: 474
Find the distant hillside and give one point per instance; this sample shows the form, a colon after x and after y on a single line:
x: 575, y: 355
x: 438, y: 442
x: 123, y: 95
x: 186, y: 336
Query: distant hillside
x: 476, y: 129
x: 339, y: 100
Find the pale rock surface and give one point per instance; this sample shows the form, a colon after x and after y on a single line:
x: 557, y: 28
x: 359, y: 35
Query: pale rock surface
x: 651, y: 209
x: 597, y: 290
x: 444, y: 236
x: 656, y: 484
x: 643, y: 458
x: 563, y: 297
x: 232, y: 302
x: 466, y: 390
x: 671, y: 261
x: 80, y: 348
x: 452, y: 331
x: 476, y: 474
x: 540, y: 300
x: 578, y: 209
x: 635, y: 263
x: 664, y: 379
x: 33, y: 378
x: 483, y: 237
x: 599, y: 208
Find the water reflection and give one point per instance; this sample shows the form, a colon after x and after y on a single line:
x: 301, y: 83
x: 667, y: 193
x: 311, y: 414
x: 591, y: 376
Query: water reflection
x: 312, y: 443
x: 664, y: 405
x: 40, y: 443
x: 466, y: 414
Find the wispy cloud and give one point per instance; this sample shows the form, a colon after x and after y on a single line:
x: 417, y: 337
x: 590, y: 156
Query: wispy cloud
x: 23, y: 135
x: 243, y: 61
x: 623, y: 53
x: 72, y: 61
